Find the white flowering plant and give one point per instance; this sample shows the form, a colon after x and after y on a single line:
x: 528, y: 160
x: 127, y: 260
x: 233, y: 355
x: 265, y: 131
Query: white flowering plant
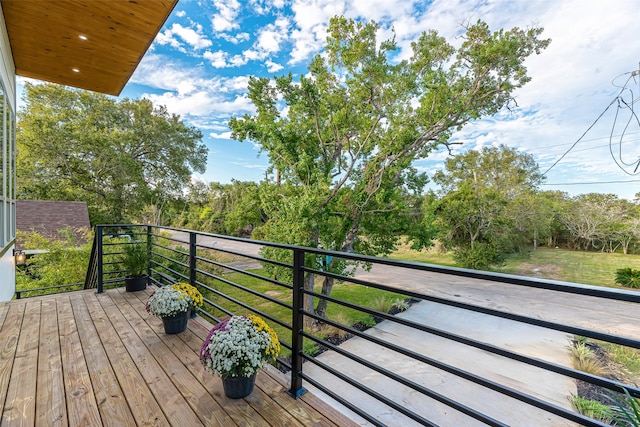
x: 167, y: 301
x: 239, y: 346
x: 171, y: 300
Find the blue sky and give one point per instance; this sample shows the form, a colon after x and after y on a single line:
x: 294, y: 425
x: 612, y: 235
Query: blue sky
x: 199, y: 65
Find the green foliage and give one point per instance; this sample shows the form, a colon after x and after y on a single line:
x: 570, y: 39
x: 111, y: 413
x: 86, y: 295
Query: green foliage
x: 592, y: 409
x: 400, y: 304
x: 135, y: 259
x: 118, y: 156
x: 64, y: 262
x: 626, y: 411
x: 485, y: 211
x: 628, y: 277
x: 585, y: 360
x: 478, y: 257
x: 232, y: 209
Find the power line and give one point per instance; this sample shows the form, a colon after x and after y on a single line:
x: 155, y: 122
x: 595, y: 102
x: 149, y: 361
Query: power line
x: 581, y: 136
x: 617, y: 98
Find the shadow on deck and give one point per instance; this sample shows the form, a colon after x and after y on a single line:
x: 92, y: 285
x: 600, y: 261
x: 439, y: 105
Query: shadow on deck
x: 87, y: 359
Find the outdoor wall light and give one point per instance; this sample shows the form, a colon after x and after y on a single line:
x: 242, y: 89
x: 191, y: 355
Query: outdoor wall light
x: 21, y: 257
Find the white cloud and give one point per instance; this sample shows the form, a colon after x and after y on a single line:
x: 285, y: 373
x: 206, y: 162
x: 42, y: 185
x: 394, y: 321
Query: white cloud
x: 235, y: 39
x: 221, y: 135
x: 217, y: 59
x: 202, y: 103
x: 193, y: 38
x: 263, y: 7
x: 273, y: 67
x: 311, y: 18
x: 225, y: 19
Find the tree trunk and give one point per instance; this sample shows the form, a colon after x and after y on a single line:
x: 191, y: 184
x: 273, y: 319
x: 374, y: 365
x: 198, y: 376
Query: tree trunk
x: 327, y: 286
x: 308, y: 299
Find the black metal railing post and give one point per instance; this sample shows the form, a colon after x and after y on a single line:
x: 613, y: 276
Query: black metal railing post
x: 149, y: 241
x: 99, y: 253
x: 192, y: 258
x: 296, y: 390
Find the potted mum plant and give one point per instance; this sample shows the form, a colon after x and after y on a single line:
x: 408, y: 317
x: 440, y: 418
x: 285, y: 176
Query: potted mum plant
x: 235, y: 349
x: 135, y: 263
x: 172, y: 304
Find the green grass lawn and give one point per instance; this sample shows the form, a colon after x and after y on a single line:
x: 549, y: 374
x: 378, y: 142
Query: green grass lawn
x: 590, y: 268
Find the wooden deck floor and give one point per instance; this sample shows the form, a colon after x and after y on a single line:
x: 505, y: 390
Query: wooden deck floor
x: 83, y: 359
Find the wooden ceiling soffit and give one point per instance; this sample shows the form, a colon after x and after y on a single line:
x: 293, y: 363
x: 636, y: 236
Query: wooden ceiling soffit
x: 89, y: 44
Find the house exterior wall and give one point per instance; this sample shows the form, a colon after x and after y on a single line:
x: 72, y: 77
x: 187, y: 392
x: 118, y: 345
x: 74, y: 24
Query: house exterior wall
x: 7, y: 166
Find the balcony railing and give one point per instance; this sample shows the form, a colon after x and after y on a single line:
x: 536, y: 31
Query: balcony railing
x: 399, y: 355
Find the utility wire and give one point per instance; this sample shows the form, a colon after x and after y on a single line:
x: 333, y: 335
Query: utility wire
x: 618, y: 99
x: 633, y: 115
x: 582, y: 136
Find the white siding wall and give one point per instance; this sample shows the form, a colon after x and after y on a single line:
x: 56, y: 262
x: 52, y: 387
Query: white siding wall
x: 7, y: 190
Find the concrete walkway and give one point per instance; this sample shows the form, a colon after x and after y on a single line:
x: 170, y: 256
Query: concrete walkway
x: 529, y: 340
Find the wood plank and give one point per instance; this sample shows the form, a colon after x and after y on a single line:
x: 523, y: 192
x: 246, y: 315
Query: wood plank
x: 173, y: 404
x: 20, y: 407
x: 51, y: 408
x: 314, y: 401
x: 4, y: 309
x: 81, y: 403
x: 182, y: 375
x: 304, y: 413
x: 112, y: 405
x: 9, y: 335
x: 143, y: 405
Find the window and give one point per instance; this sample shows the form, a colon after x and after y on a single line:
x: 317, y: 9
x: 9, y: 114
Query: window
x: 7, y: 171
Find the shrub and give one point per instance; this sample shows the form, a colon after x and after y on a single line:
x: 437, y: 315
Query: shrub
x: 480, y: 257
x: 628, y: 277
x: 585, y: 360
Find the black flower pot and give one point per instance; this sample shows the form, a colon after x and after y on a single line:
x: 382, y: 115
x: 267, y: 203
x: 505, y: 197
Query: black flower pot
x: 176, y: 324
x: 135, y: 283
x: 238, y: 387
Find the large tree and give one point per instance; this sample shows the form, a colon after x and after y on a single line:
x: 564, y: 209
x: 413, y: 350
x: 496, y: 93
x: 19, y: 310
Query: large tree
x: 488, y: 207
x: 342, y: 139
x: 118, y: 156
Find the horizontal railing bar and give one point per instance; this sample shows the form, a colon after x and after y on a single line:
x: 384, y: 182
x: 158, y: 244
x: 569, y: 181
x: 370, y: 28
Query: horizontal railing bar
x: 243, y: 288
x: 411, y: 384
x: 176, y: 273
x: 552, y: 285
x: 245, y: 255
x: 245, y: 272
x: 248, y: 307
x: 167, y: 258
x: 158, y: 236
x: 168, y: 248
